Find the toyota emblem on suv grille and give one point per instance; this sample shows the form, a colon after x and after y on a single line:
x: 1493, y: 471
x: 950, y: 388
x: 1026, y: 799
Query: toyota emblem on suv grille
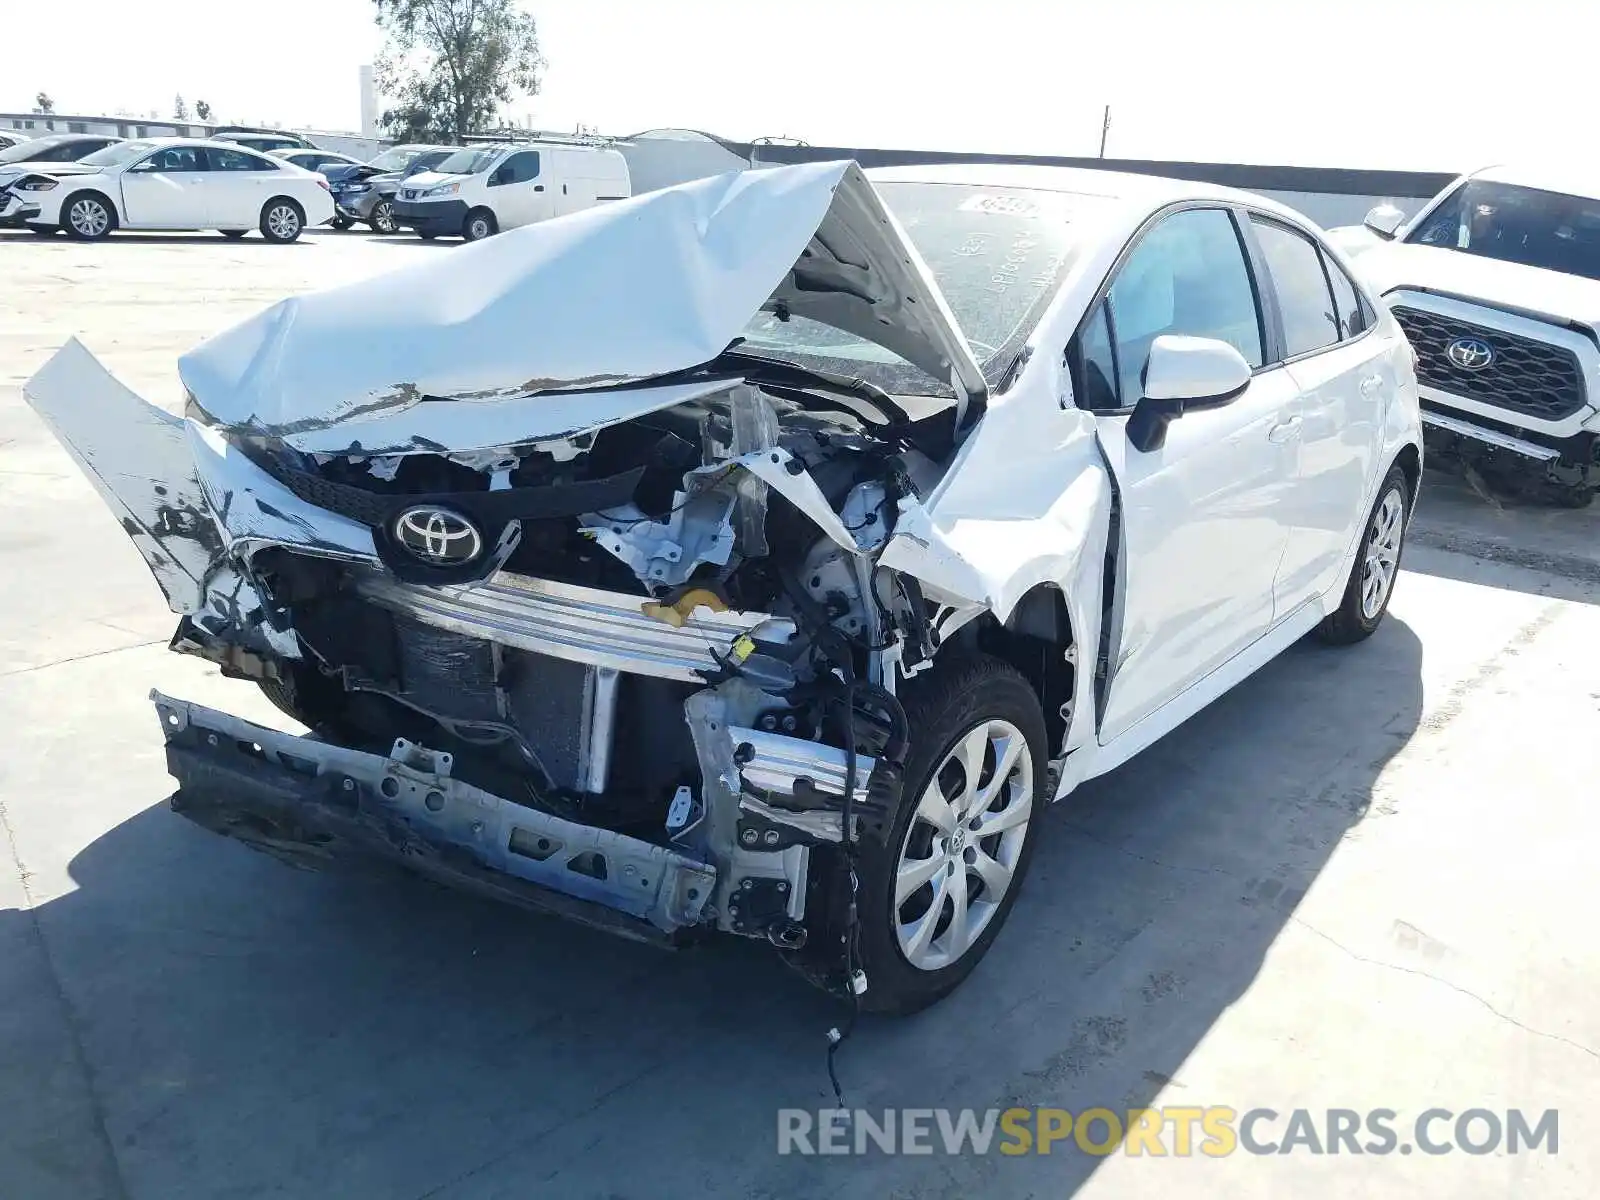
x: 438, y: 536
x: 1469, y: 353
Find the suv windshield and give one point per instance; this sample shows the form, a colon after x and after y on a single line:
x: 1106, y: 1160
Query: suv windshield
x: 1517, y: 224
x: 996, y: 254
x: 396, y: 158
x: 117, y: 154
x: 467, y: 162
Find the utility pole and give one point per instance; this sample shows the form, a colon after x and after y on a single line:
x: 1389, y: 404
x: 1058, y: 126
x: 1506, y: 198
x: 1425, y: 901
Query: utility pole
x: 1105, y: 128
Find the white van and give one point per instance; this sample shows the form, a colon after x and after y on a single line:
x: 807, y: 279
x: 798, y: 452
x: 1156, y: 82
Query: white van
x: 481, y: 190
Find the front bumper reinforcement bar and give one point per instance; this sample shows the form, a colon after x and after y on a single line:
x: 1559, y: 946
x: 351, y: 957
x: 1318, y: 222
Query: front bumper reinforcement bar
x: 310, y: 803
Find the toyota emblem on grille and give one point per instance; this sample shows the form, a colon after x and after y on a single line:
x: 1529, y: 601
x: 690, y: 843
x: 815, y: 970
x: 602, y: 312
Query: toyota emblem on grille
x: 1469, y: 353
x: 438, y: 536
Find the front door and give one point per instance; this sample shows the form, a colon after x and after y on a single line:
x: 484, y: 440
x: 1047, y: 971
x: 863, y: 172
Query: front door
x: 518, y: 191
x: 1202, y: 531
x: 166, y: 190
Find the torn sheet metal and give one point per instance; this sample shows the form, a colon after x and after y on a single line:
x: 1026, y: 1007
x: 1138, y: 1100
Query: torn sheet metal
x: 438, y: 426
x: 138, y: 459
x: 608, y: 296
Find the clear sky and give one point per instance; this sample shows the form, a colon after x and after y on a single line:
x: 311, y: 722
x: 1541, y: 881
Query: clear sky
x: 1425, y: 84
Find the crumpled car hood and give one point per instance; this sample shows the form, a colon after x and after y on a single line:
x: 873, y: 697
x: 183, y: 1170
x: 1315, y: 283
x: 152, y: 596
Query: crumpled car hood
x: 1532, y: 290
x: 627, y: 291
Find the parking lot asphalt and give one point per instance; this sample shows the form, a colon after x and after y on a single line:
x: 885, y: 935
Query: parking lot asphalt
x: 1365, y: 879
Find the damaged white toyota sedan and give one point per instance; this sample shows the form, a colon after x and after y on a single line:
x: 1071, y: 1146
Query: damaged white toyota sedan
x: 763, y: 553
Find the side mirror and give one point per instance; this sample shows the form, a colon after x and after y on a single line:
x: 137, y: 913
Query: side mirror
x: 1385, y: 221
x: 500, y: 177
x: 1183, y: 374
x: 148, y: 164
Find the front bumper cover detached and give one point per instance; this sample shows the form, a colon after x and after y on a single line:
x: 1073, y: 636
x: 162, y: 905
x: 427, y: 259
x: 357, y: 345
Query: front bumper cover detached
x: 311, y: 803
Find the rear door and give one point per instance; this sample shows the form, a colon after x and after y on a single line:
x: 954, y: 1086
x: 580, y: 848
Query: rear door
x: 1343, y: 376
x: 518, y: 190
x: 1202, y: 524
x: 166, y: 190
x: 238, y: 186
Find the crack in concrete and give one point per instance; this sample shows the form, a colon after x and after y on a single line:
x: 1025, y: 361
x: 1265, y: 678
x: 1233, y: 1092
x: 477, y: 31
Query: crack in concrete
x: 60, y: 662
x: 1453, y: 986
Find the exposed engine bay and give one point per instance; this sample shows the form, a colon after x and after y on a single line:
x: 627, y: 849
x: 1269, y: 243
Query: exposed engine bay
x: 548, y: 654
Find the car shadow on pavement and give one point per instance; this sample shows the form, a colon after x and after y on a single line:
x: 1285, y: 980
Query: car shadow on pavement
x: 196, y: 1019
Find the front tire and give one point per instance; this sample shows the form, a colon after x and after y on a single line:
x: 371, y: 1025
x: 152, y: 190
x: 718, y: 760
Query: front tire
x: 936, y: 891
x: 1372, y: 579
x: 383, y: 218
x: 232, y: 234
x: 88, y: 217
x: 282, y: 220
x: 341, y: 223
x: 478, y: 224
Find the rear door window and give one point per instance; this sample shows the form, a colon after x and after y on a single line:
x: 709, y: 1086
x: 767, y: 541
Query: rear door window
x: 1305, y: 301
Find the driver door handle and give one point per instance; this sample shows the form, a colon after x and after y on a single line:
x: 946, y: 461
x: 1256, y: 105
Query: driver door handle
x: 1285, y: 431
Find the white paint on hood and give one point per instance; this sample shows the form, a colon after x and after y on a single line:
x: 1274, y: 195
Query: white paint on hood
x: 608, y: 296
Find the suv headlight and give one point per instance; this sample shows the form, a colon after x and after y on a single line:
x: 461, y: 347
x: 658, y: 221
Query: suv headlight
x: 443, y: 189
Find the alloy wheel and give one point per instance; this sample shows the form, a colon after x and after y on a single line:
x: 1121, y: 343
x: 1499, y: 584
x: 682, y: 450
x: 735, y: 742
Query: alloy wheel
x: 88, y: 217
x: 963, y: 844
x: 284, y: 222
x: 383, y: 217
x: 1382, y: 559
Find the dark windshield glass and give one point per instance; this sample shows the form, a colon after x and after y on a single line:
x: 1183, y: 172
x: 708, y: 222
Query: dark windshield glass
x: 24, y: 151
x: 1517, y: 224
x: 996, y: 254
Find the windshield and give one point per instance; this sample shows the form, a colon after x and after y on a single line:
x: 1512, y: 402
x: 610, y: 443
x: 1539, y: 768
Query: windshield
x: 396, y: 158
x: 996, y: 254
x: 24, y: 151
x: 466, y: 162
x: 1517, y: 224
x: 116, y: 155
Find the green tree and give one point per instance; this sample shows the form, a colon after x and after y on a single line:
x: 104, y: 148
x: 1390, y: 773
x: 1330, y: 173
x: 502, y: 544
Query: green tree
x: 180, y: 110
x: 43, y: 104
x: 202, y: 110
x: 451, y: 64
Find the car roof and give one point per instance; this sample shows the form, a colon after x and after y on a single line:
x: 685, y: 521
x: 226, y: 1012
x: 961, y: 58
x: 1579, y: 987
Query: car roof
x: 1575, y: 178
x: 1085, y: 181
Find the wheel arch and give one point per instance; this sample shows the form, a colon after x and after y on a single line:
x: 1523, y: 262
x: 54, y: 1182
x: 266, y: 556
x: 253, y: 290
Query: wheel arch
x: 112, y: 203
x: 1409, y: 460
x: 1038, y: 638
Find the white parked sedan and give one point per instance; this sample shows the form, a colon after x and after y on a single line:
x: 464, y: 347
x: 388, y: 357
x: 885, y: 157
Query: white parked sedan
x: 173, y: 183
x: 761, y: 554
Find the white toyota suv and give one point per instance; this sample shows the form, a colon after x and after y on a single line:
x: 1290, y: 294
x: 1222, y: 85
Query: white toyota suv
x: 1496, y: 283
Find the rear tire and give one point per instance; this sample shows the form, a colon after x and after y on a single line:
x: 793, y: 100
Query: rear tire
x: 1377, y: 566
x: 282, y: 220
x: 936, y: 863
x: 478, y: 224
x: 88, y: 217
